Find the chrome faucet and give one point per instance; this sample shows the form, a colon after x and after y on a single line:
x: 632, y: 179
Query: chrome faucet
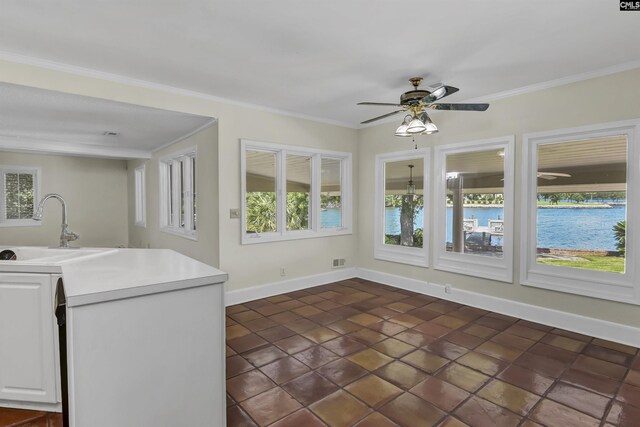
x: 66, y: 236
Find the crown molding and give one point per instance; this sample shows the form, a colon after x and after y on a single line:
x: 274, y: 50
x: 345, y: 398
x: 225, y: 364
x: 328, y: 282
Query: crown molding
x: 575, y: 78
x: 117, y: 78
x: 40, y: 146
x: 188, y: 135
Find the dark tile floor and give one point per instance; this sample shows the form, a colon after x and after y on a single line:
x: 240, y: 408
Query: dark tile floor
x: 357, y: 353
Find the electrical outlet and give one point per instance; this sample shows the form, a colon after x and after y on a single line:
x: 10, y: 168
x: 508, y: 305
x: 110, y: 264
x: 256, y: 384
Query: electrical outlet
x: 234, y: 213
x: 447, y: 289
x: 283, y: 272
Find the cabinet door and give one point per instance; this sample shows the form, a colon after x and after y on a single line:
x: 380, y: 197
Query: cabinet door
x: 27, y: 359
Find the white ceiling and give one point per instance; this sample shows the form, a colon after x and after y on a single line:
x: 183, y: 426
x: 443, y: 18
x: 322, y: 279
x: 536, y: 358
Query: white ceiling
x: 318, y: 58
x: 40, y: 120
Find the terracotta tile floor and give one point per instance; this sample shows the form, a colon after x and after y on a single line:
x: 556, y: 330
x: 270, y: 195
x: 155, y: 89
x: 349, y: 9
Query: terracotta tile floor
x: 23, y: 418
x: 357, y: 353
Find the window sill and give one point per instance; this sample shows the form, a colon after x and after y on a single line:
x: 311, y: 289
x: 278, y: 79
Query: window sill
x: 498, y: 269
x: 180, y: 233
x: 251, y: 239
x: 594, y: 284
x: 402, y: 255
x: 20, y: 223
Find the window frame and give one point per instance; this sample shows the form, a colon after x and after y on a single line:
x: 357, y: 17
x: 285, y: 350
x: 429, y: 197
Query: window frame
x: 175, y: 196
x: 592, y: 283
x: 315, y: 230
x: 140, y: 195
x: 396, y: 253
x: 498, y: 269
x: 37, y: 183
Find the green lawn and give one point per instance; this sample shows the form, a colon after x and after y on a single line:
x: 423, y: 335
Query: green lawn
x: 601, y: 263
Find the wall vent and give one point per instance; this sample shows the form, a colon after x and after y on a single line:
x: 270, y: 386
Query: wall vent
x: 338, y: 263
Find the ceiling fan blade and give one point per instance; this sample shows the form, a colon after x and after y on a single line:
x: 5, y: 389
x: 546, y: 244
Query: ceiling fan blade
x: 388, y: 104
x: 564, y: 175
x: 460, y: 107
x: 552, y: 175
x: 381, y: 117
x: 438, y: 93
x: 547, y: 177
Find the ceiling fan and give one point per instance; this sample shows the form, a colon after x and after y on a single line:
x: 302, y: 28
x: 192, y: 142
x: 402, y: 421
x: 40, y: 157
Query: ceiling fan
x: 415, y: 103
x: 549, y: 176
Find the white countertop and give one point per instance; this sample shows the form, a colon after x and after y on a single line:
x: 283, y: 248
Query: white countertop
x: 121, y: 273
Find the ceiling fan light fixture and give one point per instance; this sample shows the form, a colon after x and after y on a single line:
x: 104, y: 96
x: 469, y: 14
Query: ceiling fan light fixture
x: 416, y: 126
x: 429, y: 125
x: 402, y: 129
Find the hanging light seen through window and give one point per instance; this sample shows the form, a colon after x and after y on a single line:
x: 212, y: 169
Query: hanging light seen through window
x: 411, y: 187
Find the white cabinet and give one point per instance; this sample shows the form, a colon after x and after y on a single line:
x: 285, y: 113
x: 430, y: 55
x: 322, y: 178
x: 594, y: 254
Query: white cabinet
x: 28, y: 338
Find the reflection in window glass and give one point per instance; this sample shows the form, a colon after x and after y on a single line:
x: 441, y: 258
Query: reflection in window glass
x: 298, y: 192
x: 475, y: 203
x: 404, y: 203
x: 581, y: 203
x: 331, y: 193
x: 261, y: 191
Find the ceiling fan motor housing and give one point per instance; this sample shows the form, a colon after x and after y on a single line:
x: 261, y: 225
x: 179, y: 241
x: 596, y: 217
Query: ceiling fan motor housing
x: 413, y: 97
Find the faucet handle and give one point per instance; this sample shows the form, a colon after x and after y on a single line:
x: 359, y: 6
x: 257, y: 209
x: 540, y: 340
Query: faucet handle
x: 71, y: 236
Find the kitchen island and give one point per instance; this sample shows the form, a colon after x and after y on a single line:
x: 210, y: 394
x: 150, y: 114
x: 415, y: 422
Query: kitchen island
x: 144, y: 331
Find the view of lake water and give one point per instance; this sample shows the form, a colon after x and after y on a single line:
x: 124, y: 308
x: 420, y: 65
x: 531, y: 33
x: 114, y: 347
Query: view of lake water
x: 589, y: 229
x: 331, y: 217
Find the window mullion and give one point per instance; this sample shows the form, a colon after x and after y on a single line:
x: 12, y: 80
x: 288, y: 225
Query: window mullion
x: 316, y: 170
x: 175, y: 194
x: 281, y: 192
x: 188, y: 194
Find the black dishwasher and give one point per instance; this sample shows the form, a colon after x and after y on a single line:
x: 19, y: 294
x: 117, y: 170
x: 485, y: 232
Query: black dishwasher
x: 61, y: 315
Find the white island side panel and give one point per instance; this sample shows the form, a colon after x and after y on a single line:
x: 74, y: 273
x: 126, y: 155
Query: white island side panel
x: 156, y: 360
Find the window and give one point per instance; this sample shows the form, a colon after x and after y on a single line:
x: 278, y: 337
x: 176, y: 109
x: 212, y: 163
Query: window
x: 474, y: 215
x: 140, y: 196
x: 19, y: 188
x: 178, y: 207
x: 401, y: 217
x: 579, y: 193
x: 293, y: 192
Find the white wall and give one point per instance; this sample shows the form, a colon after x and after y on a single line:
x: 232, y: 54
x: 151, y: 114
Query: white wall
x: 206, y: 247
x: 600, y: 100
x: 93, y: 192
x: 247, y: 265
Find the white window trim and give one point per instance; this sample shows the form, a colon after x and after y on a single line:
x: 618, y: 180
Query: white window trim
x: 314, y: 230
x: 397, y: 253
x: 4, y: 222
x: 598, y: 284
x: 140, y: 191
x: 176, y: 157
x: 499, y: 269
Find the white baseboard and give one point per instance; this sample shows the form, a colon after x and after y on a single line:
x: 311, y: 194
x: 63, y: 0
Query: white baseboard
x: 276, y: 288
x: 573, y: 322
